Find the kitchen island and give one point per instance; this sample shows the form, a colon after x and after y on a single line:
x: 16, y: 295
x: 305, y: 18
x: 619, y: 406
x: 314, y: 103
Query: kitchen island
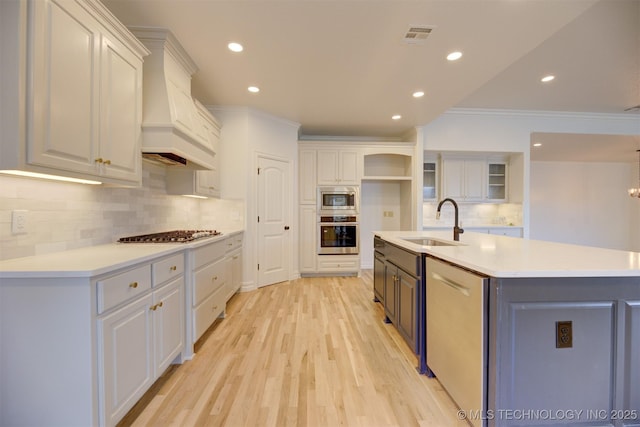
x: 521, y: 332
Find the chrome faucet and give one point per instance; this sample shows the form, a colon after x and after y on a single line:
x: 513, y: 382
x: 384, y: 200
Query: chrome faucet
x: 457, y: 231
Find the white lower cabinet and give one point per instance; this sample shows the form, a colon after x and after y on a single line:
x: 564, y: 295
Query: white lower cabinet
x: 338, y: 263
x: 308, y: 250
x: 138, y: 341
x: 209, y: 281
x: 126, y: 357
x: 233, y: 262
x: 83, y: 347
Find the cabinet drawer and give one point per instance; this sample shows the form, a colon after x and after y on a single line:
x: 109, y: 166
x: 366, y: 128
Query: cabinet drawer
x: 167, y: 269
x: 408, y: 261
x: 119, y: 288
x: 207, y: 312
x: 209, y: 253
x: 338, y: 263
x: 233, y: 242
x: 207, y: 280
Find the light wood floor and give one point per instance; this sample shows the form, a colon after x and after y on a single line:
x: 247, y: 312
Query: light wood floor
x: 310, y: 352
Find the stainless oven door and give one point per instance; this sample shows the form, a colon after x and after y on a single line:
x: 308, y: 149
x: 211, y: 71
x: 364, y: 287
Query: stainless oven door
x: 338, y: 238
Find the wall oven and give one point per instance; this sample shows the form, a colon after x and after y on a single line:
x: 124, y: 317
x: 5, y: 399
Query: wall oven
x: 337, y: 200
x: 338, y: 235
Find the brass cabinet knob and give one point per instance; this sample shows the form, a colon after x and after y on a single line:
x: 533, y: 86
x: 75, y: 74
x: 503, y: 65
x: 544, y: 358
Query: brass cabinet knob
x: 99, y: 160
x: 133, y: 285
x: 107, y: 162
x: 173, y: 268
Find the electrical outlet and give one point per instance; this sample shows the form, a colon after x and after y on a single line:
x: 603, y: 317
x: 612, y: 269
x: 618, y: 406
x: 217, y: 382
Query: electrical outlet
x: 19, y: 222
x: 564, y: 334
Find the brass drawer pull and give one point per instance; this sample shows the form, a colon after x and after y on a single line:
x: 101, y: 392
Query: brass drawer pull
x: 155, y: 307
x: 107, y: 162
x: 173, y: 268
x: 133, y: 285
x: 99, y: 160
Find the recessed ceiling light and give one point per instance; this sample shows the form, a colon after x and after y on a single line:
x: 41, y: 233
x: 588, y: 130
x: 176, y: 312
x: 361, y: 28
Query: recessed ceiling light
x: 396, y: 117
x: 235, y: 47
x: 418, y: 94
x: 548, y: 78
x: 253, y: 89
x: 537, y: 144
x: 454, y: 56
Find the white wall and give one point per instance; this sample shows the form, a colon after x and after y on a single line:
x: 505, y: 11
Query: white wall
x: 65, y: 216
x: 510, y: 131
x: 584, y: 203
x: 246, y: 134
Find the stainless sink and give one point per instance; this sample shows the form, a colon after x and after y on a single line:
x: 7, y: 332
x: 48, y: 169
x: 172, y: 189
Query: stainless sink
x: 432, y: 242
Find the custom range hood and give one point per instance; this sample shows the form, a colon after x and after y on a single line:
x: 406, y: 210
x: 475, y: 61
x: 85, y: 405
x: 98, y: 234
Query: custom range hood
x: 173, y: 132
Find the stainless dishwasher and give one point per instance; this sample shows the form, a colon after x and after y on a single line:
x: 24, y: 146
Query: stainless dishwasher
x: 456, y: 334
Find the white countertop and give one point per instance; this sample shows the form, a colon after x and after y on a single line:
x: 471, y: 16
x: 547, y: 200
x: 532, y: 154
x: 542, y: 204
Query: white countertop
x: 471, y: 227
x: 501, y: 256
x: 95, y: 260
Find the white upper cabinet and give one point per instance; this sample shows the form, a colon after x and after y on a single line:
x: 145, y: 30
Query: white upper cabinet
x: 338, y: 167
x: 463, y: 179
x: 497, y: 180
x: 307, y: 176
x: 83, y: 105
x: 474, y: 179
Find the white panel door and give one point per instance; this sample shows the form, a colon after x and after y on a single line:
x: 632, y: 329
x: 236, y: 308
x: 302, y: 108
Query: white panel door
x: 273, y: 222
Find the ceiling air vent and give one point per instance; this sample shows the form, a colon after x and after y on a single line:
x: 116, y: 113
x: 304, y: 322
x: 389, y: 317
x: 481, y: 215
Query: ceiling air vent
x: 417, y: 34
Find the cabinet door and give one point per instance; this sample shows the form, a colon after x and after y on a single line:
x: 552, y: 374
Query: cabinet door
x: 407, y: 309
x: 390, y: 293
x: 125, y: 357
x: 307, y: 173
x: 120, y: 111
x: 168, y: 323
x: 348, y: 168
x: 474, y: 179
x: 463, y: 179
x: 453, y: 179
x: 328, y: 167
x: 65, y: 69
x: 208, y: 183
x: 430, y: 180
x: 496, y: 181
x: 379, y: 273
x: 236, y: 271
x: 307, y: 236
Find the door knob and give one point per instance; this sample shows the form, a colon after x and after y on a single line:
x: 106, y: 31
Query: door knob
x: 286, y: 227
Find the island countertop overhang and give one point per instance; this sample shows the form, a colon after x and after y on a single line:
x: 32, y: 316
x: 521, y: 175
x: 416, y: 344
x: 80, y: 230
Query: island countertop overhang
x: 511, y: 257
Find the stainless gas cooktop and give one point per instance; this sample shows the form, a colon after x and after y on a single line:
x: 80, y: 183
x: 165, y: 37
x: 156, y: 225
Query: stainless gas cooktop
x: 180, y: 236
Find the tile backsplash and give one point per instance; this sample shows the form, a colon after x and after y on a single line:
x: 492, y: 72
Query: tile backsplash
x: 473, y: 214
x: 63, y: 216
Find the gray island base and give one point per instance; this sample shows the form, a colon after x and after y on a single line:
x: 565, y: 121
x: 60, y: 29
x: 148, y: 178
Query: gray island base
x: 519, y: 332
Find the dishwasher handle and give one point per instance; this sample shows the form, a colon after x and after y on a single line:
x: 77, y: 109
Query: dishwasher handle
x: 458, y: 287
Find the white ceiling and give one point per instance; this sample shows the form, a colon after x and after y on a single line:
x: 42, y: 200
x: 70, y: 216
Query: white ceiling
x: 342, y: 68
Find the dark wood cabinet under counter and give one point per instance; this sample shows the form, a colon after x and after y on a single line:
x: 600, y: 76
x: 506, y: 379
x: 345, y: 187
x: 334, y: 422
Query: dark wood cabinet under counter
x: 397, y: 277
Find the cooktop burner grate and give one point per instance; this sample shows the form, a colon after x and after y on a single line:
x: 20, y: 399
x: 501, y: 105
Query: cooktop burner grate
x: 180, y: 236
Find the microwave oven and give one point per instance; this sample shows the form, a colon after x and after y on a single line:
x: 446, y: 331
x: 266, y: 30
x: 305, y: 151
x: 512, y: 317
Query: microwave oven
x: 337, y: 200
